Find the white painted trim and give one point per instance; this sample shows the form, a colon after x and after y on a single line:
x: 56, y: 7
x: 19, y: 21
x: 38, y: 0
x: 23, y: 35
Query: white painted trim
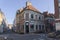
x: 29, y: 28
x: 24, y: 28
x: 34, y: 27
x: 57, y: 19
x: 26, y: 21
x: 38, y: 27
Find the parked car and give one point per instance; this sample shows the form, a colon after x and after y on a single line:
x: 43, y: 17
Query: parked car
x: 58, y: 36
x: 39, y: 31
x: 51, y: 35
x: 57, y: 32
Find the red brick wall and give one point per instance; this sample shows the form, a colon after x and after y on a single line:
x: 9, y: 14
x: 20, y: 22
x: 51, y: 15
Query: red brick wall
x: 56, y: 9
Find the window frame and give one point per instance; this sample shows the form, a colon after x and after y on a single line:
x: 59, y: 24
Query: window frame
x: 32, y: 16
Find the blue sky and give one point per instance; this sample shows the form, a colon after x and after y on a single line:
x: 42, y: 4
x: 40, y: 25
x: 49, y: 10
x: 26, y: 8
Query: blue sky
x: 9, y: 7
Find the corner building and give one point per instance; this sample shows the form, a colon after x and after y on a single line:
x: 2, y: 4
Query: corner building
x: 29, y: 19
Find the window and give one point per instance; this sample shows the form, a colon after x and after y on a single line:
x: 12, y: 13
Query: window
x: 59, y: 12
x: 31, y: 15
x: 39, y: 27
x: 39, y: 18
x: 36, y: 16
x: 32, y: 26
x: 36, y: 27
x: 27, y: 23
x: 42, y: 27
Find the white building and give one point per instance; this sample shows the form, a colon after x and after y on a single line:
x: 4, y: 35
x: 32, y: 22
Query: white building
x: 57, y: 24
x: 3, y: 22
x: 29, y: 19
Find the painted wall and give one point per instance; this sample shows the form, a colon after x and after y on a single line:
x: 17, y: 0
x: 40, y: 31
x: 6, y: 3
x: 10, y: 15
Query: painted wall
x: 58, y: 26
x: 35, y: 21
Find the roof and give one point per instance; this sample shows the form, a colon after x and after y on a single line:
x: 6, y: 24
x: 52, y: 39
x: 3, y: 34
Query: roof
x: 29, y: 7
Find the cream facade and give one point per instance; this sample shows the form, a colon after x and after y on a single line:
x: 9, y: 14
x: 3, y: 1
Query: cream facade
x: 29, y: 20
x: 3, y: 22
x: 35, y: 23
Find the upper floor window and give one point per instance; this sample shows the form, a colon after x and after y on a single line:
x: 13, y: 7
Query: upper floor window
x: 36, y: 16
x: 36, y: 27
x: 27, y: 16
x: 39, y: 27
x: 39, y: 18
x: 32, y: 16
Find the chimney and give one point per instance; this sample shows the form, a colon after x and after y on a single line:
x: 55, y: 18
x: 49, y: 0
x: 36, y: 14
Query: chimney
x: 28, y: 3
x: 21, y: 9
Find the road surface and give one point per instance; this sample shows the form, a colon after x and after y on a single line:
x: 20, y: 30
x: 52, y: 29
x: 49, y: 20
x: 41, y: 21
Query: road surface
x: 15, y: 36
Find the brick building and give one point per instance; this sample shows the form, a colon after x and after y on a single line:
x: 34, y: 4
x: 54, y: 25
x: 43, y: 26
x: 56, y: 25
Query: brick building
x: 57, y: 13
x: 49, y: 21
